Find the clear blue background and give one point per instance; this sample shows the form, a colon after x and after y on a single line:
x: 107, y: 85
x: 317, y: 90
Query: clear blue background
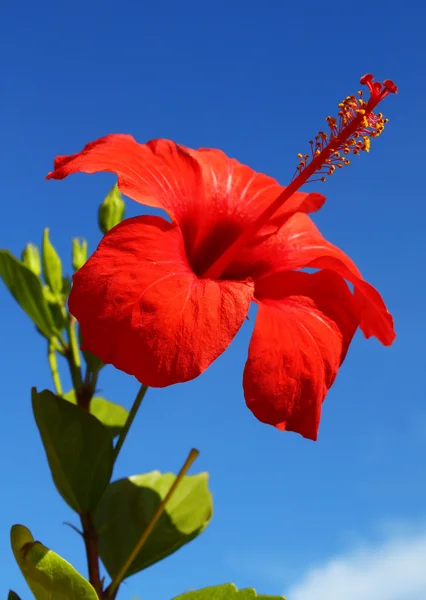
x: 256, y: 80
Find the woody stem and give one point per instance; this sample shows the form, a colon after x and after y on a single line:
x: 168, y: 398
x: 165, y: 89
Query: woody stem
x: 90, y: 536
x: 84, y: 395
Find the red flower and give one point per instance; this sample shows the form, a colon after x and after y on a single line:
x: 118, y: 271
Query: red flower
x: 162, y: 300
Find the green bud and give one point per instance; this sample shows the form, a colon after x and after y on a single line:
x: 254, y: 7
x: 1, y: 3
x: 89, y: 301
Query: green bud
x: 79, y: 253
x: 31, y: 258
x: 52, y: 266
x: 111, y: 211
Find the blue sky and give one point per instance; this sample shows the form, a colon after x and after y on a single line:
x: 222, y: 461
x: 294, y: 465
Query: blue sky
x: 256, y: 80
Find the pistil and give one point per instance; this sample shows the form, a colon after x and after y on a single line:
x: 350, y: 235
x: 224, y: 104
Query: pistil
x: 350, y: 133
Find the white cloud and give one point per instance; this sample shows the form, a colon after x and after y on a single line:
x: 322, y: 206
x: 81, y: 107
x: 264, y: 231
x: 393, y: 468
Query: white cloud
x: 392, y: 570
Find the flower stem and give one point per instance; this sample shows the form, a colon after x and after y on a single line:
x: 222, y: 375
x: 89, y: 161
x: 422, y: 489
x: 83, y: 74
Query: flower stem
x: 110, y: 591
x: 132, y: 414
x: 51, y: 355
x: 73, y: 358
x: 59, y: 344
x: 90, y: 536
x: 73, y: 342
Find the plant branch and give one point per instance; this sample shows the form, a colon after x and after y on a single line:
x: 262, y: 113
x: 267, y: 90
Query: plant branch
x: 135, y: 407
x: 51, y: 355
x: 90, y: 536
x: 84, y: 392
x: 113, y: 586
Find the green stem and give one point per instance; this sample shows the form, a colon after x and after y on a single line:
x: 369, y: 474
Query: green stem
x: 51, y: 355
x: 135, y: 407
x: 73, y: 342
x: 63, y: 343
x: 73, y: 356
x: 58, y: 345
x: 110, y: 591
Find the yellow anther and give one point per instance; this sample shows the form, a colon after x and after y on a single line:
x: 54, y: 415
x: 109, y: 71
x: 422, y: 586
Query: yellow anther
x: 329, y: 151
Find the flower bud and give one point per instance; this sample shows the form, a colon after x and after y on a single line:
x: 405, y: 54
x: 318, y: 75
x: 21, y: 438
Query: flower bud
x: 52, y: 265
x: 31, y: 258
x: 79, y: 253
x: 111, y: 211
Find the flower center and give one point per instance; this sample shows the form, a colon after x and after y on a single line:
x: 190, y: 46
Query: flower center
x: 350, y: 133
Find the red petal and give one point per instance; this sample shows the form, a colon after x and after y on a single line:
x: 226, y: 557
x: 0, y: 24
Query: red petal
x: 142, y: 309
x: 160, y: 173
x: 299, y: 244
x: 302, y: 332
x: 236, y: 195
x: 212, y: 197
x: 237, y: 189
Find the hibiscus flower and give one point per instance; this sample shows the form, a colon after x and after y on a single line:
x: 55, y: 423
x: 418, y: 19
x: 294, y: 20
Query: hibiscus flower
x: 162, y: 300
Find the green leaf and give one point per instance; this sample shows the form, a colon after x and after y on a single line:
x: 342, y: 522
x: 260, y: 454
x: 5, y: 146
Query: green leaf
x: 78, y: 448
x: 48, y: 575
x: 79, y: 253
x: 52, y: 266
x: 111, y: 211
x: 31, y: 258
x: 112, y: 415
x: 227, y: 591
x: 12, y: 596
x: 27, y: 290
x: 127, y: 507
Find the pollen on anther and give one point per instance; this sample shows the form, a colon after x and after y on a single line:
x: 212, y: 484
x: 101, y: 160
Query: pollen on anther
x: 350, y: 133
